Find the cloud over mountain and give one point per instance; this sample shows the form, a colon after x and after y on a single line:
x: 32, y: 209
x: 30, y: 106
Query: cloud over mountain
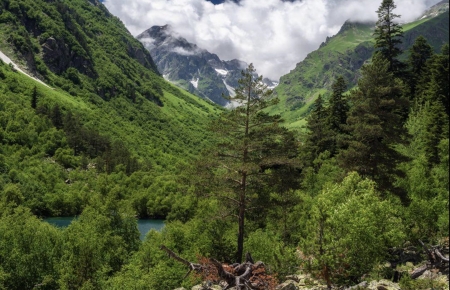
x: 272, y: 34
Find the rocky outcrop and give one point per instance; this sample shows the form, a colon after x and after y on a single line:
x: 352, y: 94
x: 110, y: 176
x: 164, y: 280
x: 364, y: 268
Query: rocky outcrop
x: 59, y: 56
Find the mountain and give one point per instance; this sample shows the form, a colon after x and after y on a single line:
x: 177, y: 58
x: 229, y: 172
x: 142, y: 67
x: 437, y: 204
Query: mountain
x: 105, y: 120
x: 344, y: 54
x: 190, y: 67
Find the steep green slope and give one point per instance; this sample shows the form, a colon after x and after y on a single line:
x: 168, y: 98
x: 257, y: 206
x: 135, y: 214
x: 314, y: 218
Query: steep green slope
x: 343, y: 54
x: 109, y: 125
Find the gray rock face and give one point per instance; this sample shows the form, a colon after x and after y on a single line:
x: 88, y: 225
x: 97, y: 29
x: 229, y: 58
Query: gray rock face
x: 190, y: 67
x: 59, y: 56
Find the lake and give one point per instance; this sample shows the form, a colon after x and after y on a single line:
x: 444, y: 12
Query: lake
x: 144, y: 225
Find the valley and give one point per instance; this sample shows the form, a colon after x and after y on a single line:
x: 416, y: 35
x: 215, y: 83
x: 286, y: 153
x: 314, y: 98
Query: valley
x: 334, y: 177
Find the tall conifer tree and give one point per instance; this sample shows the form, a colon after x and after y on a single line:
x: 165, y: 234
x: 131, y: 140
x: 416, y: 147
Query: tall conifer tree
x: 375, y: 126
x: 252, y: 145
x: 318, y: 136
x: 337, y: 112
x: 388, y: 36
x: 419, y: 54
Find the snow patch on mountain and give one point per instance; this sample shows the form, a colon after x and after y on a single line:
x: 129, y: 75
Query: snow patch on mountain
x: 230, y: 89
x: 221, y: 72
x: 195, y: 83
x: 7, y: 60
x: 273, y: 86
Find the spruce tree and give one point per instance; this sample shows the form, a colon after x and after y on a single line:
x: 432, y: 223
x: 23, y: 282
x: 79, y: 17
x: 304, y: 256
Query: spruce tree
x: 318, y: 136
x: 337, y: 113
x: 251, y: 147
x: 388, y: 36
x: 419, y: 54
x: 434, y: 97
x: 438, y: 87
x: 375, y: 126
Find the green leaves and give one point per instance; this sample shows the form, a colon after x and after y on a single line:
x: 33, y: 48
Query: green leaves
x: 351, y: 228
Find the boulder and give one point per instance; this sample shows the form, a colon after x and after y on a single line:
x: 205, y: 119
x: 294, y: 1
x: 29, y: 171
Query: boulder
x: 383, y: 285
x: 288, y: 285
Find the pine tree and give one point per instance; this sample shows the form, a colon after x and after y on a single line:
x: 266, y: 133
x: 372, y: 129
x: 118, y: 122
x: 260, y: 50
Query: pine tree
x: 419, y: 54
x: 388, y: 36
x: 374, y: 124
x: 251, y: 146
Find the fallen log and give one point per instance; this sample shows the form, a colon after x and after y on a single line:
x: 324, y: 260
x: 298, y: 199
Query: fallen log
x: 435, y: 261
x: 419, y: 271
x: 248, y: 275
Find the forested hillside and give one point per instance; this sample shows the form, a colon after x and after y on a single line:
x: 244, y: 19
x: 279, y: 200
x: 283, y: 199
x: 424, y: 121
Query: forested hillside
x: 344, y: 54
x: 360, y: 195
x: 109, y: 117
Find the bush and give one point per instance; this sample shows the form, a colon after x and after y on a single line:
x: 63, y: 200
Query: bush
x: 350, y: 230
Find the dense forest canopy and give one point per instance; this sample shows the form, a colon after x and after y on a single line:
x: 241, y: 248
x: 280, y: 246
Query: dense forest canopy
x: 109, y: 141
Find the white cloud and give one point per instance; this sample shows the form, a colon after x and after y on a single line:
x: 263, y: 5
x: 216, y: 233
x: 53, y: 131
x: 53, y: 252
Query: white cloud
x: 272, y: 34
x: 183, y: 51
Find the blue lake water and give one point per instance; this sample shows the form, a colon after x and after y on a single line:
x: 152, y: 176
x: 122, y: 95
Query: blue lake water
x: 144, y: 225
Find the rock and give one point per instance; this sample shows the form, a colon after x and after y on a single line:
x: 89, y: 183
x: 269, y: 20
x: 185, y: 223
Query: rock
x: 383, y: 285
x: 207, y: 287
x: 295, y: 278
x: 288, y: 285
x: 182, y: 288
x: 362, y: 285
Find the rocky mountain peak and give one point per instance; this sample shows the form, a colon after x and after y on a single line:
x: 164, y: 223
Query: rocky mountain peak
x: 163, y: 37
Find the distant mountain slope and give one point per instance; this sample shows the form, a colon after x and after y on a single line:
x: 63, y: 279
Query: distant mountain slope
x: 190, y: 67
x: 344, y: 54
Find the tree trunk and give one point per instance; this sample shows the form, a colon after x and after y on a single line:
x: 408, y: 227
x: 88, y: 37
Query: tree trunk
x: 240, y: 245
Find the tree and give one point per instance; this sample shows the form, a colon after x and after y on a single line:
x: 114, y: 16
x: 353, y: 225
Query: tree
x: 34, y: 98
x: 337, y: 113
x: 388, y: 36
x: 251, y: 146
x: 438, y: 87
x: 366, y: 226
x: 419, y: 54
x: 374, y: 125
x: 318, y: 138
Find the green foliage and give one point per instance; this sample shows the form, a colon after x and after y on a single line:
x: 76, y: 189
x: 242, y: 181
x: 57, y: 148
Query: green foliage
x: 344, y: 54
x: 44, y: 131
x: 425, y: 180
x: 114, y: 140
x: 250, y: 142
x: 365, y: 224
x: 280, y: 259
x: 29, y: 251
x: 96, y: 246
x: 388, y: 36
x: 374, y: 125
x: 419, y: 54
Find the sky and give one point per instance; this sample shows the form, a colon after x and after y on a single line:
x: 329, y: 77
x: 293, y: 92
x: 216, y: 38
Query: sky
x: 274, y: 35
